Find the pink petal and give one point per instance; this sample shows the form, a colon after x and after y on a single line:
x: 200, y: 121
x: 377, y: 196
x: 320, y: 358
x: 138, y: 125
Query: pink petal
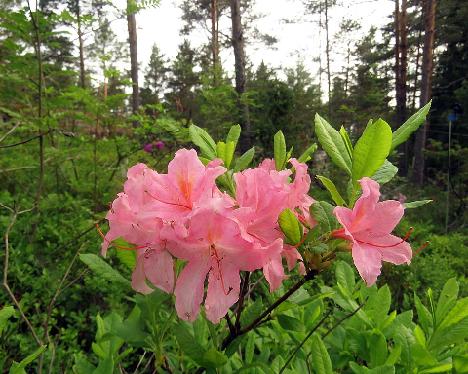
x: 190, y: 287
x: 291, y: 255
x: 368, y: 262
x: 223, y: 290
x: 139, y: 278
x: 397, y: 254
x: 159, y: 269
x: 274, y: 272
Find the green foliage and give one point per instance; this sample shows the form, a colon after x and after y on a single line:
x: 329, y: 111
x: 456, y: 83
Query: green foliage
x: 290, y: 226
x: 371, y: 149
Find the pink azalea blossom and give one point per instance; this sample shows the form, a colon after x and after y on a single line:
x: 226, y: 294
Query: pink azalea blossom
x: 215, y: 248
x: 262, y: 193
x: 368, y: 227
x: 187, y: 183
x: 131, y: 219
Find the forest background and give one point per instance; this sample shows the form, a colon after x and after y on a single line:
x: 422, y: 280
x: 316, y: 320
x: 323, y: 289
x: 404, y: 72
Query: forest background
x: 78, y: 108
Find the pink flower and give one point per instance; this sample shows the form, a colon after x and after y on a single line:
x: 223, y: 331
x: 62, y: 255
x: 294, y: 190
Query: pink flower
x: 148, y: 148
x: 187, y: 183
x: 159, y: 144
x: 214, y: 247
x: 368, y: 227
x: 262, y: 193
x: 131, y: 219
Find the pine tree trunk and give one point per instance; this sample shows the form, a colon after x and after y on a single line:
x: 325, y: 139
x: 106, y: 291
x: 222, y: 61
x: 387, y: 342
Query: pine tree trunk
x: 239, y: 57
x: 327, y: 51
x: 426, y: 87
x: 132, y: 41
x: 397, y: 51
x: 214, y: 40
x: 403, y: 65
x: 80, y: 45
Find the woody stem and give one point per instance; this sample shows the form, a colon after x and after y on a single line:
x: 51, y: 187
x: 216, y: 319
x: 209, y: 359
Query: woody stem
x: 230, y: 338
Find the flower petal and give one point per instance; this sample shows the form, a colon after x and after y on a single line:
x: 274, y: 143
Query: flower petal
x: 223, y: 290
x: 159, y: 269
x: 396, y: 254
x: 189, y: 288
x: 368, y: 261
x: 139, y: 278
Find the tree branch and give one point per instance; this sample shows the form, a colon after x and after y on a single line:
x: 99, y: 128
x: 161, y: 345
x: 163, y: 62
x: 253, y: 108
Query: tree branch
x: 229, y: 339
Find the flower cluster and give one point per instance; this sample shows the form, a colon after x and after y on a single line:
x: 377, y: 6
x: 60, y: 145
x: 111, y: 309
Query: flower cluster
x: 184, y: 215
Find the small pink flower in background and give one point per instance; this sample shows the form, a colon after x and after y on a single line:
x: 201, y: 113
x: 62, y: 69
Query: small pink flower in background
x: 368, y: 227
x: 159, y: 144
x: 401, y: 198
x: 148, y: 148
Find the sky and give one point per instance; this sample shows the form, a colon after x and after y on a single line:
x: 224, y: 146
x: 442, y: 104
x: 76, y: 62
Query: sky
x: 298, y: 40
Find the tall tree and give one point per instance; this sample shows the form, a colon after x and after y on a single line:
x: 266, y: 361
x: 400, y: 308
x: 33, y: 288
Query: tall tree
x: 239, y: 57
x: 323, y: 7
x: 155, y: 72
x: 401, y: 60
x: 429, y: 7
x: 133, y: 46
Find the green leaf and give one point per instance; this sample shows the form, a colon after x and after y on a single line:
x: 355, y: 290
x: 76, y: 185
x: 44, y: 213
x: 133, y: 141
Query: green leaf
x: 233, y: 135
x: 203, y: 140
x: 212, y: 359
x: 321, y: 361
x: 347, y: 141
x: 424, y: 316
x: 125, y: 256
x: 103, y: 269
x: 394, y: 355
x: 229, y: 153
x: 330, y: 186
x: 290, y: 225
x: 249, y: 349
x: 18, y: 367
x: 221, y: 150
x: 188, y: 343
x: 323, y: 214
x: 415, y: 204
x: 447, y: 299
x: 244, y: 161
x: 371, y: 149
x: 440, y: 368
x: 460, y: 364
x: 402, y: 134
x: 345, y: 276
x: 306, y: 155
x: 5, y: 314
x: 453, y: 328
x: 333, y: 144
x: 385, y: 173
x: 377, y: 345
x: 290, y: 323
x: 279, y: 148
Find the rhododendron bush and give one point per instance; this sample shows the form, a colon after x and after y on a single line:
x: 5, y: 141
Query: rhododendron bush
x: 203, y: 230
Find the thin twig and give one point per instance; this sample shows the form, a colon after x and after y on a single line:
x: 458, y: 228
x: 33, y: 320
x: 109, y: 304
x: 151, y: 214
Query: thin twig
x: 15, y: 214
x: 57, y: 293
x: 9, y: 132
x: 228, y: 340
x: 340, y: 321
x: 240, y: 304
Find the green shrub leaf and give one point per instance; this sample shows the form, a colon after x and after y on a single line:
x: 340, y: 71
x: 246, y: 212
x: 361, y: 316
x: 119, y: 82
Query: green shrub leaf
x: 244, y: 161
x: 330, y: 186
x: 291, y: 227
x: 279, y: 148
x: 402, y: 134
x: 385, y: 173
x: 321, y: 361
x: 203, y: 140
x: 333, y: 144
x: 103, y: 269
x: 371, y: 149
